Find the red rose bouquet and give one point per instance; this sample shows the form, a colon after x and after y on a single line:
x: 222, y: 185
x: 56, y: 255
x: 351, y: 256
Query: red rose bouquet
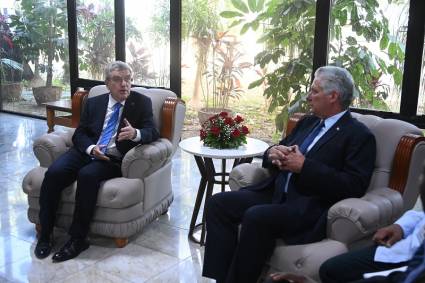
x: 223, y: 131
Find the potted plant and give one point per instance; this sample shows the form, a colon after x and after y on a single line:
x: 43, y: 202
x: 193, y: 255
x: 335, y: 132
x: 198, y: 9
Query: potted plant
x: 10, y: 70
x: 222, y: 77
x: 40, y: 31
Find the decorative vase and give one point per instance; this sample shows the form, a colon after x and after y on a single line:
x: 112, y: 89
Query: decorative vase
x: 47, y: 94
x: 205, y: 113
x: 11, y: 92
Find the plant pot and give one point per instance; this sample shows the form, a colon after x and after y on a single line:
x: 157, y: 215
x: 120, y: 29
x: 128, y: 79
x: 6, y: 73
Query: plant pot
x: 205, y: 113
x: 44, y: 94
x: 11, y: 91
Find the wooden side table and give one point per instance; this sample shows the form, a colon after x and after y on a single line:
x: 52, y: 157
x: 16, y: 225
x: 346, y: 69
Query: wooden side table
x: 52, y: 119
x: 73, y: 106
x: 204, y: 160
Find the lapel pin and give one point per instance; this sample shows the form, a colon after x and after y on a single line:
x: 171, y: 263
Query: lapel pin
x: 337, y: 128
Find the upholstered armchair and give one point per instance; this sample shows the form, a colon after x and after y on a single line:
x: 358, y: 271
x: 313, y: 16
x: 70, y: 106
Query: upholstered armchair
x: 351, y: 222
x: 144, y: 192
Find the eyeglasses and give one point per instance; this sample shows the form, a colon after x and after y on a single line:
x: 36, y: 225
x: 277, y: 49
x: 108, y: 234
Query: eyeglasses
x: 119, y: 80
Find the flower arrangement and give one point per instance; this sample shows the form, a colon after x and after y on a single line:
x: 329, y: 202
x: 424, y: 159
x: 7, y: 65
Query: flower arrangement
x: 223, y: 131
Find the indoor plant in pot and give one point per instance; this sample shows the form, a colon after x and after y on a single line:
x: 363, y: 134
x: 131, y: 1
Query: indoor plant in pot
x: 10, y: 69
x: 40, y: 30
x: 11, y: 80
x: 222, y: 78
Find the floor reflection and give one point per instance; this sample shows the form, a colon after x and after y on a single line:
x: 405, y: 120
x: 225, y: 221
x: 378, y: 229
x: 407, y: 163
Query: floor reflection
x: 161, y: 253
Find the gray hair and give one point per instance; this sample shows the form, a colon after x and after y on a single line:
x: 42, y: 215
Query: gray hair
x: 116, y: 66
x: 337, y: 79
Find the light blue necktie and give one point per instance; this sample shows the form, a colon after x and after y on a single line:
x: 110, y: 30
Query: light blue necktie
x: 280, y: 181
x: 109, y: 130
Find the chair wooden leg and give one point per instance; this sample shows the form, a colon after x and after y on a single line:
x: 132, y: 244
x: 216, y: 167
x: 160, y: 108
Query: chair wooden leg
x: 121, y: 242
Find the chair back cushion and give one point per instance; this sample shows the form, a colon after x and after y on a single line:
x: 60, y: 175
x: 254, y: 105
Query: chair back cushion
x: 388, y: 133
x: 98, y: 90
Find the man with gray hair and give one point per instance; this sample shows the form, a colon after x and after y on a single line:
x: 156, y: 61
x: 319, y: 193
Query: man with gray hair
x: 329, y: 156
x: 111, y: 124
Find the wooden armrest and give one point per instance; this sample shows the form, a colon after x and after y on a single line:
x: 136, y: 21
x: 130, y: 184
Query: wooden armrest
x: 293, y: 120
x: 168, y: 111
x: 77, y: 106
x: 401, y: 162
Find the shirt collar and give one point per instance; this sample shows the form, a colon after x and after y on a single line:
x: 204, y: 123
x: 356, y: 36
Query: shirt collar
x: 330, y: 121
x: 112, y: 101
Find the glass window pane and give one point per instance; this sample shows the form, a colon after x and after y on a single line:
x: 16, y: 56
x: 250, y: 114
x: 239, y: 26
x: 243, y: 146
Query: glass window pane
x: 96, y: 37
x: 370, y: 42
x: 147, y: 31
x: 229, y: 45
x: 421, y: 101
x: 34, y: 54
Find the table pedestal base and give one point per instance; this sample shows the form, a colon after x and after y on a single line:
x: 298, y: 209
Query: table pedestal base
x: 206, y: 186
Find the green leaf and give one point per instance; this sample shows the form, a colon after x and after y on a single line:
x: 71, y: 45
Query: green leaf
x: 252, y: 5
x: 351, y: 40
x: 392, y: 50
x: 241, y: 6
x: 383, y: 43
x: 245, y: 28
x: 255, y: 25
x: 230, y: 14
x: 398, y: 77
x: 260, y: 5
x: 235, y: 23
x: 256, y: 83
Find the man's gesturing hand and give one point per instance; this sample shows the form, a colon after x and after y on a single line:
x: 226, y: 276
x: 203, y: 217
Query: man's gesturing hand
x: 127, y: 132
x: 389, y: 235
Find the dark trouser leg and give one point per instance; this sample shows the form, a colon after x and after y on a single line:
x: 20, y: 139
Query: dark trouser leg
x: 60, y: 175
x: 224, y: 214
x: 261, y: 226
x: 352, y: 265
x: 88, y: 183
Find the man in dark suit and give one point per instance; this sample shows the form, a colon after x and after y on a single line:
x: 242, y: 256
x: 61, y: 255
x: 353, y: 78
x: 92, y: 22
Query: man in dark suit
x: 111, y: 124
x: 328, y: 157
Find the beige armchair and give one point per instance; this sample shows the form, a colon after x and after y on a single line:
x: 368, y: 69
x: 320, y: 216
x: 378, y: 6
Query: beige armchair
x: 125, y: 205
x: 351, y: 222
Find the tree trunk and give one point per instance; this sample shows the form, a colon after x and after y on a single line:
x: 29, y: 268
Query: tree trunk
x: 201, y: 61
x: 50, y: 54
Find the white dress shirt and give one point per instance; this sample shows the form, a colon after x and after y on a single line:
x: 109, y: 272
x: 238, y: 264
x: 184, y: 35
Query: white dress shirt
x: 111, y: 148
x: 413, y: 225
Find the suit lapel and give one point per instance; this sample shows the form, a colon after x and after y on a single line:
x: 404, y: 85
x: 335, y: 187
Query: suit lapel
x: 100, y: 112
x: 336, y: 129
x: 304, y: 133
x: 126, y: 112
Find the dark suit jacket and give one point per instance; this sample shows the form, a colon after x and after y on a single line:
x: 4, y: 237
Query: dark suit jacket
x: 338, y: 166
x: 137, y: 110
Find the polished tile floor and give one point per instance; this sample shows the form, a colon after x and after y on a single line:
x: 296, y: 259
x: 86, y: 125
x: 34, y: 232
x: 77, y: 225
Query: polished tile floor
x: 160, y: 253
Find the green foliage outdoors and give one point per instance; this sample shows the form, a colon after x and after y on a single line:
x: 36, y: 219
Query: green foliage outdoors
x: 286, y: 28
x: 39, y: 30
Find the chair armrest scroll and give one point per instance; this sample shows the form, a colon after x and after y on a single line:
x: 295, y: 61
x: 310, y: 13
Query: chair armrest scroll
x: 143, y: 160
x: 246, y: 174
x: 355, y: 218
x: 77, y: 106
x: 401, y: 163
x: 49, y: 147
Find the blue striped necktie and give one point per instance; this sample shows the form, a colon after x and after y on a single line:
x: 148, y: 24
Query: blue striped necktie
x: 109, y: 130
x: 280, y: 182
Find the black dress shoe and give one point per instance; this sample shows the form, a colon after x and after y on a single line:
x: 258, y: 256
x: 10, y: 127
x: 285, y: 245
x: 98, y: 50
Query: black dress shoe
x: 43, y: 248
x: 71, y: 249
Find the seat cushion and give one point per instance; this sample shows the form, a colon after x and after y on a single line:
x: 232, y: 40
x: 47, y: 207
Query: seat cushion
x: 114, y: 193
